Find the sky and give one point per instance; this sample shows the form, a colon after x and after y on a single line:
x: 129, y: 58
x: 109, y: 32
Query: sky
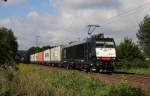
x: 52, y: 22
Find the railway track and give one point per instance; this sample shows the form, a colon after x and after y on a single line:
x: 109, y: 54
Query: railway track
x: 135, y: 80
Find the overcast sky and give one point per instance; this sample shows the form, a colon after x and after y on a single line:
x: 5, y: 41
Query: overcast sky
x: 61, y: 21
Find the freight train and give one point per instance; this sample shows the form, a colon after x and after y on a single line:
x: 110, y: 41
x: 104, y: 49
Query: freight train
x: 92, y: 54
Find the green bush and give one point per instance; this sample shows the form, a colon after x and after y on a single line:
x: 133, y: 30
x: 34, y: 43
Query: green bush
x: 128, y: 50
x: 129, y: 55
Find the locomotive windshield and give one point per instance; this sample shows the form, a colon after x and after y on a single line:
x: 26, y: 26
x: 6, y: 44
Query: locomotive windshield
x: 105, y: 44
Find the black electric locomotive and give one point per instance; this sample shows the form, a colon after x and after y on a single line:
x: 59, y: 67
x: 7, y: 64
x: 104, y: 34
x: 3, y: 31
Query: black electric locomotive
x: 92, y: 54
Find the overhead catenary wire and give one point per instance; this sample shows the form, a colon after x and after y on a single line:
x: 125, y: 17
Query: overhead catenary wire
x: 126, y: 13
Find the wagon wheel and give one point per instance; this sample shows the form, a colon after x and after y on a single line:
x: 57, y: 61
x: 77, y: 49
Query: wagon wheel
x: 67, y: 66
x: 86, y: 68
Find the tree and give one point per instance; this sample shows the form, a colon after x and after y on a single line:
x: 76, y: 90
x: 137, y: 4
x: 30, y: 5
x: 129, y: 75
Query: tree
x: 45, y: 47
x: 8, y: 47
x: 129, y: 55
x: 128, y: 50
x: 144, y: 35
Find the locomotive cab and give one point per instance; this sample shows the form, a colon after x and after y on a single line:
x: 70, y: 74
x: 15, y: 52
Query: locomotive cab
x: 105, y: 52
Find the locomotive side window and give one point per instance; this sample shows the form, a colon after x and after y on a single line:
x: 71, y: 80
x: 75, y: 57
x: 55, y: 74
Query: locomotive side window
x: 65, y: 53
x: 100, y: 44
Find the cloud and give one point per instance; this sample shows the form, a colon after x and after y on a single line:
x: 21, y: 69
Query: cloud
x: 88, y: 4
x: 71, y: 23
x: 5, y: 22
x: 32, y: 14
x: 46, y: 26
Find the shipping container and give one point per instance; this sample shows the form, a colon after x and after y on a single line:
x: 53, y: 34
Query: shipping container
x: 40, y: 57
x: 32, y: 58
x: 47, y: 55
x: 56, y: 54
x: 35, y: 57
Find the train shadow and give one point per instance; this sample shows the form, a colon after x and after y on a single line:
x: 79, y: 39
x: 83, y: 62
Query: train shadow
x: 120, y: 72
x: 106, y: 72
x: 117, y: 72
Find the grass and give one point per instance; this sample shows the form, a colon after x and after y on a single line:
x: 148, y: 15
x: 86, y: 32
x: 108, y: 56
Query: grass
x: 32, y: 80
x: 135, y: 66
x: 145, y: 71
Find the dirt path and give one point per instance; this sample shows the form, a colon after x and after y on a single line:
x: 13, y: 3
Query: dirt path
x: 135, y: 80
x: 139, y: 81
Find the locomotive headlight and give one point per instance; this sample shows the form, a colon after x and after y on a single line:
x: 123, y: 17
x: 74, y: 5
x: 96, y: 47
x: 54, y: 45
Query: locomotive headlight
x: 82, y: 60
x: 65, y: 61
x: 113, y: 58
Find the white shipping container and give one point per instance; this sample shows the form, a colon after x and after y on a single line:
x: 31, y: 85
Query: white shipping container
x: 47, y: 55
x: 56, y: 54
x: 35, y: 58
x: 32, y: 58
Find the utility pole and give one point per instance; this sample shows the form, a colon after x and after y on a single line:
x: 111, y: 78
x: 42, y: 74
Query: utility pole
x: 37, y: 40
